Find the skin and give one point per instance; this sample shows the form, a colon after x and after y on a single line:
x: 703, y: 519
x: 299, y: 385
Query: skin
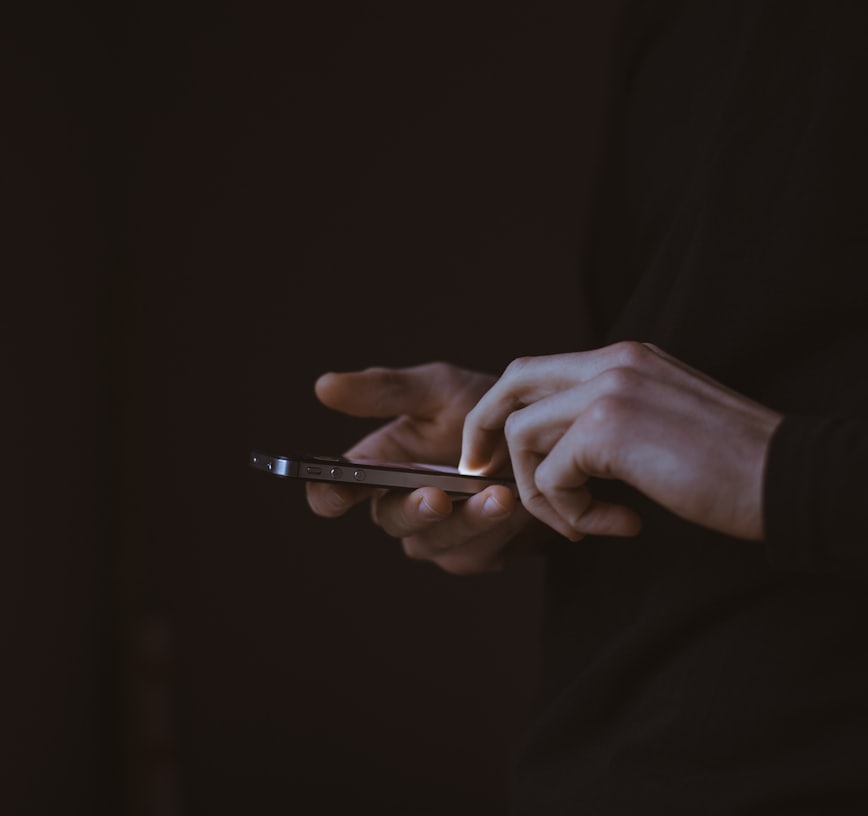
x: 626, y: 411
x: 426, y: 407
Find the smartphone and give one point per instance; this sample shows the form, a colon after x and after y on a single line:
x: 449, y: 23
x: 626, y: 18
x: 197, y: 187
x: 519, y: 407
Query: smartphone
x: 364, y: 472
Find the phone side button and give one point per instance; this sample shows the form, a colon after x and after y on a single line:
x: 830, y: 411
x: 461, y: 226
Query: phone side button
x: 336, y: 473
x: 313, y: 471
x: 359, y: 475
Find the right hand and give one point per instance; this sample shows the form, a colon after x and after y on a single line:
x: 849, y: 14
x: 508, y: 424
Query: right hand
x: 426, y: 406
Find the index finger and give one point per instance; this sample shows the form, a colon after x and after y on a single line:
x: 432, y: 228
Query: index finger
x: 527, y: 380
x: 381, y: 392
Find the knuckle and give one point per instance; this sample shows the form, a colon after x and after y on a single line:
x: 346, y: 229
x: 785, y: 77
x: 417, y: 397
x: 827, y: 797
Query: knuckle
x: 512, y: 426
x: 620, y: 382
x: 326, y: 501
x: 536, y: 502
x: 386, y: 385
x: 517, y: 366
x: 375, y: 511
x: 389, y: 515
x: 412, y: 550
x: 416, y: 550
x: 608, y: 412
x: 435, y: 371
x: 440, y: 368
x: 425, y: 547
x: 545, y: 481
x: 385, y: 376
x: 445, y: 375
x: 629, y: 353
x: 462, y: 564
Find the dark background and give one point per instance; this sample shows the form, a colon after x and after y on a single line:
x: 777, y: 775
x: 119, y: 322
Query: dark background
x: 205, y: 206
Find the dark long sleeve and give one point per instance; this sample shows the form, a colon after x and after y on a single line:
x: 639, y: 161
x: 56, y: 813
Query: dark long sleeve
x: 685, y: 671
x: 733, y: 232
x: 816, y: 496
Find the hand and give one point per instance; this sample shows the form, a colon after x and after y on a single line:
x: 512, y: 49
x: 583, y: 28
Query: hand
x: 427, y: 406
x: 630, y: 412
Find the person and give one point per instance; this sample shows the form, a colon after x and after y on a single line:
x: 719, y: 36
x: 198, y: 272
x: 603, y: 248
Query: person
x: 696, y: 477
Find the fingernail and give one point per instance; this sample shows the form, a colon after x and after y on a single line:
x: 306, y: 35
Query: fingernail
x: 335, y: 500
x: 429, y: 513
x: 494, y: 509
x: 465, y: 467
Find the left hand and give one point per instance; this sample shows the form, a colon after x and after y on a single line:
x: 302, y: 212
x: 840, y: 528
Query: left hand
x: 424, y: 407
x: 626, y: 411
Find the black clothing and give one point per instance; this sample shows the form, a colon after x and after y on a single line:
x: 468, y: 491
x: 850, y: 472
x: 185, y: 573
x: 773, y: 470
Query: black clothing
x: 687, y: 672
